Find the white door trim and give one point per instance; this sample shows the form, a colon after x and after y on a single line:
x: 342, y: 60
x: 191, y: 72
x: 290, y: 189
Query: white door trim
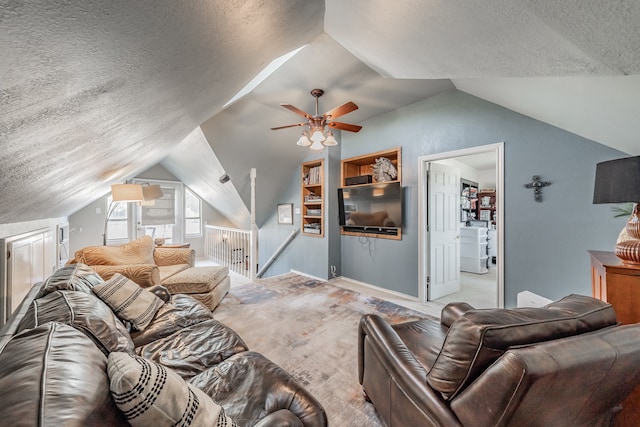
x: 423, y: 250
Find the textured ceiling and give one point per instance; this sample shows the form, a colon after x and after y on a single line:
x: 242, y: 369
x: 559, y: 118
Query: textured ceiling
x: 94, y: 92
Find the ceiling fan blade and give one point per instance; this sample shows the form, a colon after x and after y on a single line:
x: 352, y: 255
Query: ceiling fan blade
x: 296, y: 110
x: 289, y: 126
x: 341, y: 110
x: 344, y: 126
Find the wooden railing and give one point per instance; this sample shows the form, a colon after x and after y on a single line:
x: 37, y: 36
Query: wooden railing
x: 230, y: 247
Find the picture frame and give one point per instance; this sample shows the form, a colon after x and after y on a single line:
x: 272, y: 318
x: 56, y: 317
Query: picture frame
x: 285, y: 213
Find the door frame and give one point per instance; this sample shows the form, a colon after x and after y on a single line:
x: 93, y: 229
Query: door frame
x: 423, y: 250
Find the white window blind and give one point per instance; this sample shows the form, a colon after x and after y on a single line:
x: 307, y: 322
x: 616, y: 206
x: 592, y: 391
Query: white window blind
x: 163, y: 211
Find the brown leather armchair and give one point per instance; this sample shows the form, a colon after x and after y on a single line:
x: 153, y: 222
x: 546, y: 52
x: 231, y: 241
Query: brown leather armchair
x: 567, y: 364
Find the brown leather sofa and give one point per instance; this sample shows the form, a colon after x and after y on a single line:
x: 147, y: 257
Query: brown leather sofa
x: 567, y: 364
x: 55, y: 362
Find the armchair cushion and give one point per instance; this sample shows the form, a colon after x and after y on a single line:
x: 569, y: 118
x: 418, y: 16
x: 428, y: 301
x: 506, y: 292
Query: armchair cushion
x: 172, y: 256
x: 139, y: 251
x: 480, y: 337
x: 129, y: 301
x: 144, y: 275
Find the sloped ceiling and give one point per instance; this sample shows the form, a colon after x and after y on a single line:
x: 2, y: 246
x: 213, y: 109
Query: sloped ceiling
x: 94, y: 92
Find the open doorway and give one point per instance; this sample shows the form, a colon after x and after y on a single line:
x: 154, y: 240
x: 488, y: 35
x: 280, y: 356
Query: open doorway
x: 461, y: 247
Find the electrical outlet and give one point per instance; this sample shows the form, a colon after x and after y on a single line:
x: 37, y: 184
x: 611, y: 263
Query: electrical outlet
x: 98, y: 211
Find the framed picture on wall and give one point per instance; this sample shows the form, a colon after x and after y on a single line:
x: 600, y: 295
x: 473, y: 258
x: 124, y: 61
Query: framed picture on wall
x: 285, y: 213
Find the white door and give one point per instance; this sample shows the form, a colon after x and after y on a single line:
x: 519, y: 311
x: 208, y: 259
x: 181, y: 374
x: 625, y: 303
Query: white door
x: 443, y: 230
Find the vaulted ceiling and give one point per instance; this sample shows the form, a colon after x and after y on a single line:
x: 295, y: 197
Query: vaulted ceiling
x: 94, y: 92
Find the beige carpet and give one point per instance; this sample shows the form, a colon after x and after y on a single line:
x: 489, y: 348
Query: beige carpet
x: 310, y: 328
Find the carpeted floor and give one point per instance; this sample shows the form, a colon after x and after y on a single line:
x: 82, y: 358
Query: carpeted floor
x: 310, y: 328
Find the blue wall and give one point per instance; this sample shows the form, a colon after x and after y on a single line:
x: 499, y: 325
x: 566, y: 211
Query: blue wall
x: 306, y: 254
x: 545, y: 243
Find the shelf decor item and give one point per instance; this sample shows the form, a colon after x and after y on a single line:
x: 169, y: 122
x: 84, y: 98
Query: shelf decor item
x: 618, y: 181
x: 285, y: 213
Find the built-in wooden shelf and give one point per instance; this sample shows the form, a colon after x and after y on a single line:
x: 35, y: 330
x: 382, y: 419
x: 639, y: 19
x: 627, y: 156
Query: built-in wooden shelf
x: 361, y: 168
x: 313, y: 198
x: 362, y: 165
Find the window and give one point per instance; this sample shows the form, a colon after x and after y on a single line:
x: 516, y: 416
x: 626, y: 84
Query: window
x: 192, y: 213
x: 118, y: 224
x: 163, y: 219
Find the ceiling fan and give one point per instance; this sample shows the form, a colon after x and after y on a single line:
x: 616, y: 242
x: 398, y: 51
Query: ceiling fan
x: 315, y: 136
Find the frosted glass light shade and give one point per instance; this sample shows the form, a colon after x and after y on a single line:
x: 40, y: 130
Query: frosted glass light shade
x: 303, y: 141
x: 330, y: 141
x: 317, y: 145
x: 127, y: 193
x: 317, y: 136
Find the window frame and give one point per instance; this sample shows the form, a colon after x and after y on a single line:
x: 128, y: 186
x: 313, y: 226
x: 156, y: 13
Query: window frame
x: 188, y: 191
x: 109, y: 204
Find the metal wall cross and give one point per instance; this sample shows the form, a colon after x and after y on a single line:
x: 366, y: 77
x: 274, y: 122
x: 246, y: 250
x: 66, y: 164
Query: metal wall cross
x: 537, y: 186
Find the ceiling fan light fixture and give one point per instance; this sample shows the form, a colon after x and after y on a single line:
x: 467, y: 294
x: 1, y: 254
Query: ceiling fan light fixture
x: 317, y: 135
x: 304, y: 140
x: 317, y: 123
x: 330, y: 140
x: 317, y: 145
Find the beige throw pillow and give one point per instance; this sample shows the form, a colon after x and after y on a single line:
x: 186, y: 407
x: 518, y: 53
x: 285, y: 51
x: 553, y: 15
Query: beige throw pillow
x: 129, y: 302
x: 152, y: 395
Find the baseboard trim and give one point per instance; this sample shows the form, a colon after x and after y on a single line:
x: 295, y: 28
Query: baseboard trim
x: 307, y: 275
x: 377, y: 288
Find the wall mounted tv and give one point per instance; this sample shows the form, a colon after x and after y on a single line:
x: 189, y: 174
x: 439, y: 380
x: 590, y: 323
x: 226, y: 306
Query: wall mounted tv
x: 373, y: 208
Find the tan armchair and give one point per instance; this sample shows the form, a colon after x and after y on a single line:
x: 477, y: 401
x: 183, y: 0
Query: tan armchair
x: 138, y: 260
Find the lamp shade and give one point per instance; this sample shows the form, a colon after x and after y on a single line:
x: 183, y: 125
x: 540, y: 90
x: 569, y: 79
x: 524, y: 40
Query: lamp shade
x: 304, y: 141
x: 151, y: 192
x: 127, y: 193
x: 617, y: 181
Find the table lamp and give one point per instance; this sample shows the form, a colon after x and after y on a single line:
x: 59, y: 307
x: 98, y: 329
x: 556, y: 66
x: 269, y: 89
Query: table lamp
x: 618, y: 181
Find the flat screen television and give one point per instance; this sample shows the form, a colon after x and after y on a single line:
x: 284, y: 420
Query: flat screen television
x: 375, y: 208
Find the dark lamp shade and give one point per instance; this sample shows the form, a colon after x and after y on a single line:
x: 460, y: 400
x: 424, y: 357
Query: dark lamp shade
x: 617, y: 181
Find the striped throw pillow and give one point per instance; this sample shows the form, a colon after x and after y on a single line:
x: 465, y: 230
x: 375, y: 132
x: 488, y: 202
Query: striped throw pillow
x: 151, y: 395
x: 129, y: 302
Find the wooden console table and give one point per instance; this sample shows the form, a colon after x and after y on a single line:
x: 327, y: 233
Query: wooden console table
x: 619, y: 284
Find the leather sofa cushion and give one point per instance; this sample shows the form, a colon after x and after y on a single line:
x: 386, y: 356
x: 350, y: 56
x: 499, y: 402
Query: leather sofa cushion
x: 73, y: 277
x: 195, y: 348
x: 180, y: 312
x: 479, y: 337
x: 129, y: 301
x: 139, y: 251
x: 53, y: 375
x: 251, y: 387
x: 151, y: 395
x: 85, y: 312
